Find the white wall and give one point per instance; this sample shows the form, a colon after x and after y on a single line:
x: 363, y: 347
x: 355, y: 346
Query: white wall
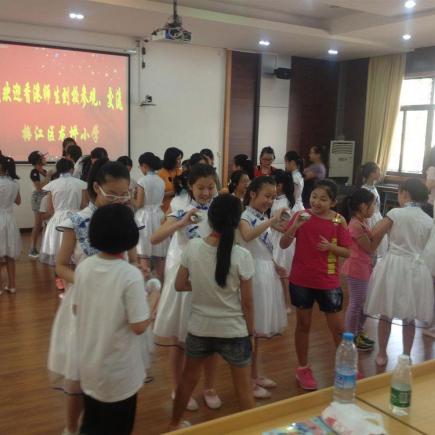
x: 274, y: 106
x: 187, y: 83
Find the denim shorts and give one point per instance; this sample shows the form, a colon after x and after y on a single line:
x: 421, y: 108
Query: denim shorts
x: 330, y: 300
x: 236, y: 351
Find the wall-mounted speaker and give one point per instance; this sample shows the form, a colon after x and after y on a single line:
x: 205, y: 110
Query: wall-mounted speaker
x: 283, y: 73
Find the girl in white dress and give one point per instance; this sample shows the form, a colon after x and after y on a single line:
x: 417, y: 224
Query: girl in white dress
x: 108, y: 183
x: 65, y: 195
x: 10, y: 239
x: 151, y: 191
x: 269, y: 304
x: 238, y: 185
x: 170, y: 328
x: 40, y: 177
x: 371, y: 174
x: 283, y: 257
x: 401, y: 285
x: 294, y: 165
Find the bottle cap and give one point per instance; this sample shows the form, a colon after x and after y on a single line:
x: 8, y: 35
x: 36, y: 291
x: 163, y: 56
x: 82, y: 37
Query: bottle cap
x: 404, y: 358
x: 348, y: 336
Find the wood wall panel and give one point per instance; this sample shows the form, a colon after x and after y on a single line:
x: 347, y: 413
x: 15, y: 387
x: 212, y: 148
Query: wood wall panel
x: 244, y: 107
x: 313, y: 104
x: 355, y: 92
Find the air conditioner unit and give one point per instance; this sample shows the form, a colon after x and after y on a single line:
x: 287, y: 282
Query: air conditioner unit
x: 341, y: 158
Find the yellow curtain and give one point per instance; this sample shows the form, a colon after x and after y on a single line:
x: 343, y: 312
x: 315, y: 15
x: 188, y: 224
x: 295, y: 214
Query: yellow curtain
x: 382, y: 106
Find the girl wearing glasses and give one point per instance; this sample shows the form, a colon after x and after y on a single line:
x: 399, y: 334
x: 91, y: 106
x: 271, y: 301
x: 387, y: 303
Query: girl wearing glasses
x: 267, y: 157
x: 108, y: 183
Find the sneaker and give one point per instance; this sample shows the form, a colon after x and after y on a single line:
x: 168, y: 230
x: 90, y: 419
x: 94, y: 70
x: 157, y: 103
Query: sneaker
x: 211, y: 399
x: 366, y: 338
x: 192, y: 404
x: 183, y: 424
x: 363, y: 345
x: 304, y: 376
x: 10, y: 290
x: 260, y: 392
x: 33, y: 253
x: 265, y: 382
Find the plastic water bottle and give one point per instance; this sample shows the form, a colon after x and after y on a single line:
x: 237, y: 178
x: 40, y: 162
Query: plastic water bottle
x: 401, y: 387
x: 346, y: 366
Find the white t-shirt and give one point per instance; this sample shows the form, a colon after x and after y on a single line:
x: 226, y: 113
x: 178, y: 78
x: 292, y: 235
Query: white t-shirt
x: 216, y: 311
x: 66, y: 192
x: 109, y: 295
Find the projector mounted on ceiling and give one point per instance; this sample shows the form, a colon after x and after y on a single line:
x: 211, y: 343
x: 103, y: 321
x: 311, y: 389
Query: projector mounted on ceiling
x: 172, y: 30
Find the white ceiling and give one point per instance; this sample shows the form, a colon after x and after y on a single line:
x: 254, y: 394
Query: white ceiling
x: 357, y: 28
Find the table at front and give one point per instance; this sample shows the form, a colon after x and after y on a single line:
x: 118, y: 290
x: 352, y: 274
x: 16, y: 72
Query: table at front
x: 422, y: 414
x: 299, y: 408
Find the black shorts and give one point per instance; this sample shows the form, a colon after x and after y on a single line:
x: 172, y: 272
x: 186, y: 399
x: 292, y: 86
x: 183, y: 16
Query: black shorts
x: 330, y: 301
x: 235, y: 351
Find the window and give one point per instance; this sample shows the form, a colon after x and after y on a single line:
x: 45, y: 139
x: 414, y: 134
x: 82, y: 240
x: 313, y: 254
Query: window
x: 414, y: 132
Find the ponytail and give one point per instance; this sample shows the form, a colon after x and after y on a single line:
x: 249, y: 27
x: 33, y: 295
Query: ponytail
x: 8, y: 165
x: 223, y: 256
x: 288, y: 188
x: 352, y: 203
x: 224, y: 217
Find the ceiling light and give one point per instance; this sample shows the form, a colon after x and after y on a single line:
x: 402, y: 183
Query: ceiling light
x: 406, y: 36
x: 76, y: 16
x: 265, y: 43
x: 333, y: 52
x: 410, y: 4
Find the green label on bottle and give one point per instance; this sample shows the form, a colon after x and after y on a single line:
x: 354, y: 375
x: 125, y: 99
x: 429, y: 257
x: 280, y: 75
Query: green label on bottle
x: 400, y: 398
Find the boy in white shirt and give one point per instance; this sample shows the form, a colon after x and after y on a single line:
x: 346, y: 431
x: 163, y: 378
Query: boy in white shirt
x: 112, y: 312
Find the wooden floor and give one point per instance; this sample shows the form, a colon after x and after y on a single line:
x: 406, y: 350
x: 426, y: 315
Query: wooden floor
x: 29, y: 407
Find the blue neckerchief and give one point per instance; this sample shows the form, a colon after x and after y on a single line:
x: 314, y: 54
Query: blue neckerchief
x: 257, y: 215
x: 412, y: 204
x: 199, y: 206
x: 191, y: 230
x: 66, y: 174
x: 81, y: 229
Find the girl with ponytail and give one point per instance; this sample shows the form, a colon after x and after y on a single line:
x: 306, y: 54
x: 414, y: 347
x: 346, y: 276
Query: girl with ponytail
x: 295, y: 165
x: 370, y: 174
x: 218, y: 274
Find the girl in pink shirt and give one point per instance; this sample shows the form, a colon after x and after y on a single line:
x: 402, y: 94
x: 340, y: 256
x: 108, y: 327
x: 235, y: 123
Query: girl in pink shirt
x: 321, y: 238
x: 358, y: 267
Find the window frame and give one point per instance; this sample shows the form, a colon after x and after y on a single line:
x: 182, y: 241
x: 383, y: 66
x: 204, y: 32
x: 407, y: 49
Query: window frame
x: 430, y: 108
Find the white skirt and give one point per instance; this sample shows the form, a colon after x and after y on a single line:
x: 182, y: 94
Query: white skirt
x: 170, y: 327
x: 381, y: 252
x: 62, y: 354
x: 283, y: 257
x: 10, y: 238
x: 401, y: 287
x: 151, y: 218
x: 52, y: 238
x: 429, y: 252
x: 270, y: 317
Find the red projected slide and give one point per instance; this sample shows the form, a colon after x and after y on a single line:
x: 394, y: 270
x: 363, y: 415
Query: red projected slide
x: 47, y: 94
